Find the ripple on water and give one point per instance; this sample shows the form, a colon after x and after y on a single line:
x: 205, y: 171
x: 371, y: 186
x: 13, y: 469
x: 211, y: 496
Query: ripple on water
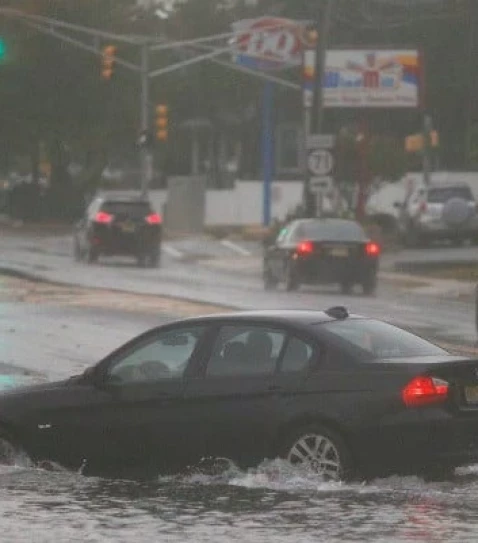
x: 274, y: 502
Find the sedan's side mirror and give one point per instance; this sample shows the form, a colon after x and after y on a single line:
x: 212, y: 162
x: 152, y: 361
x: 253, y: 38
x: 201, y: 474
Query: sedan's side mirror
x: 397, y: 205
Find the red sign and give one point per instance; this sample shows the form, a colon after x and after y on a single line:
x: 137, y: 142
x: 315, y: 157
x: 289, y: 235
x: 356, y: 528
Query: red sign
x: 269, y: 42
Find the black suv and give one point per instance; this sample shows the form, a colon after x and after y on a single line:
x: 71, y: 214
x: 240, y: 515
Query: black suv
x: 119, y: 226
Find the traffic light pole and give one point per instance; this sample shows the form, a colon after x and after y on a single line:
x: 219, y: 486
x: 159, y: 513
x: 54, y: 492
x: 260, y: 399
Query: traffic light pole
x: 145, y: 150
x: 58, y: 29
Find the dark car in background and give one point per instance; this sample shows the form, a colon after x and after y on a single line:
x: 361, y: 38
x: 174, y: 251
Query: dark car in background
x: 342, y: 395
x: 320, y: 251
x: 117, y: 226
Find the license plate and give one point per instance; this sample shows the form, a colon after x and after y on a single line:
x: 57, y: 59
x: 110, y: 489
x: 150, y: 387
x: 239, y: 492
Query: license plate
x: 128, y: 227
x: 471, y: 394
x: 339, y: 251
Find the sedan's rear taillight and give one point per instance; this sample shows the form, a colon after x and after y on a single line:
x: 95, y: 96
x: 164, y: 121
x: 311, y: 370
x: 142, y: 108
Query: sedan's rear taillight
x: 103, y: 218
x: 372, y: 249
x: 305, y: 248
x: 154, y: 218
x: 423, y: 207
x: 425, y: 390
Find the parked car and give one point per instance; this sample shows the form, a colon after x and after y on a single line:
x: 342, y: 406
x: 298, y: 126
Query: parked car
x: 438, y: 212
x: 312, y: 251
x: 343, y: 395
x: 119, y: 226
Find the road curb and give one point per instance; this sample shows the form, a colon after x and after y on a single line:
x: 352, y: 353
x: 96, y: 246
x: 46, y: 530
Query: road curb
x: 37, y: 278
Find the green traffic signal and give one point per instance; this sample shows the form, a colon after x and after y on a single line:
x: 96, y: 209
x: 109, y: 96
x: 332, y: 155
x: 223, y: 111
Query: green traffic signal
x: 3, y: 49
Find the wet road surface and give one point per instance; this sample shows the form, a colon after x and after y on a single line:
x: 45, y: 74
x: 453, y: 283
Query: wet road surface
x: 237, y: 287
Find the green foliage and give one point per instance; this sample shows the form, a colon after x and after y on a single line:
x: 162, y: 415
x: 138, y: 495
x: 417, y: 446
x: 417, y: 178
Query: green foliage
x: 386, y: 157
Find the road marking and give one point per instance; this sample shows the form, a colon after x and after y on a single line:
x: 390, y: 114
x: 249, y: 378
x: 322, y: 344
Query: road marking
x: 171, y: 251
x: 235, y: 247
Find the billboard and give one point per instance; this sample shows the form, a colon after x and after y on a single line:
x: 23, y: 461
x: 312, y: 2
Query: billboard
x: 370, y: 78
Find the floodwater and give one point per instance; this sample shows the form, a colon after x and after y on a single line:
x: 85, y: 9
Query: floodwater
x: 274, y: 502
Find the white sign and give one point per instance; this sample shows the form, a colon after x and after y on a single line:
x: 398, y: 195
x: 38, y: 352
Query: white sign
x: 320, y: 141
x: 320, y: 161
x: 321, y: 184
x: 269, y: 43
x: 372, y: 78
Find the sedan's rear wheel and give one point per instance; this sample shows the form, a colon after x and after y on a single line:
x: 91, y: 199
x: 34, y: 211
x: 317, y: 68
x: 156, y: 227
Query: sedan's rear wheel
x: 291, y: 279
x: 77, y: 251
x: 92, y: 255
x: 346, y: 287
x: 153, y: 260
x: 369, y: 286
x: 319, y: 449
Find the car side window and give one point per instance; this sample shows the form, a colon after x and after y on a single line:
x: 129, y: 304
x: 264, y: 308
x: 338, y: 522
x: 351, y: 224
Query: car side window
x: 164, y: 357
x: 282, y: 236
x: 297, y: 356
x: 245, y: 350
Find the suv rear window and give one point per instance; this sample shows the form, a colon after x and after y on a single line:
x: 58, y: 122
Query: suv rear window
x: 128, y: 209
x: 381, y: 340
x: 331, y: 231
x: 442, y: 195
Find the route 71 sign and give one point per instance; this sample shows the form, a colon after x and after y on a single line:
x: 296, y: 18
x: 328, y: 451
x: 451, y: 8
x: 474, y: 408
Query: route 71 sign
x: 320, y: 162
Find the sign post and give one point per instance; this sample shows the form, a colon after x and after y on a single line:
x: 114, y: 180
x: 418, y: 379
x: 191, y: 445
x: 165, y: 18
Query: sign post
x: 320, y: 168
x: 268, y: 44
x: 267, y: 149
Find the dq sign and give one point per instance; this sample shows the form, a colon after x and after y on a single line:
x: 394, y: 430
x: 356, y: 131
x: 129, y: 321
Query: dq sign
x: 269, y: 43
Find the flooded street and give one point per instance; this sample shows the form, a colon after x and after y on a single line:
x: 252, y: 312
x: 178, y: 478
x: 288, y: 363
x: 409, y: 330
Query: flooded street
x: 272, y: 503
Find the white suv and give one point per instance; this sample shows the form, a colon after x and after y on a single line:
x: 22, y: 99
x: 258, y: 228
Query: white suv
x: 439, y: 212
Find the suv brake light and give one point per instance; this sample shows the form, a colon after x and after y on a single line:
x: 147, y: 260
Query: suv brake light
x: 372, y: 249
x: 425, y: 390
x: 103, y: 218
x: 154, y: 218
x: 423, y: 207
x: 305, y: 248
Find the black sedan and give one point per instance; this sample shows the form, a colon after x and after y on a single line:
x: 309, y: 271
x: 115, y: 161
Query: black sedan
x: 314, y: 251
x: 340, y: 394
x: 119, y: 225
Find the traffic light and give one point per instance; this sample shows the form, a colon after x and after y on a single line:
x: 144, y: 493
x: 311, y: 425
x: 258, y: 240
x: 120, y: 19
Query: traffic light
x: 3, y: 49
x: 162, y: 122
x: 108, y: 61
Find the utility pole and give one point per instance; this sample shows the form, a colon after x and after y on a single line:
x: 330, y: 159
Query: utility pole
x: 322, y: 44
x: 313, y: 206
x: 427, y: 149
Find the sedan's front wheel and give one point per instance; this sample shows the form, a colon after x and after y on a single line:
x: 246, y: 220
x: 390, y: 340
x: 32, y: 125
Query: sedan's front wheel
x: 270, y: 282
x: 319, y: 449
x: 11, y: 454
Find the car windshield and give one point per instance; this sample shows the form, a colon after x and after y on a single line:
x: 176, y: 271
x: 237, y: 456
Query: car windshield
x: 442, y: 195
x: 332, y: 230
x: 381, y: 340
x: 129, y: 209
